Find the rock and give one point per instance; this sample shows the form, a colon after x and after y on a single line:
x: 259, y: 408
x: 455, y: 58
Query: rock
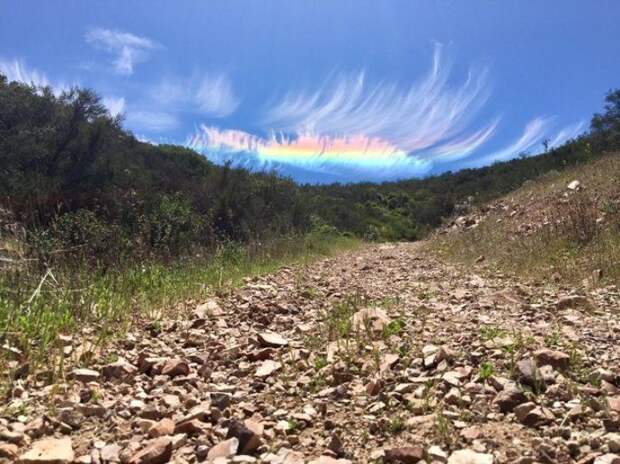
x: 467, y: 456
x: 388, y: 361
x: 436, y: 454
x: 554, y: 358
x: 175, y: 367
x: 267, y: 367
x: 224, y: 449
x: 162, y: 428
x: 528, y: 373
x: 608, y: 458
x: 50, y: 451
x: 8, y: 451
x: 85, y: 375
x: 271, y: 340
x: 405, y: 455
x: 190, y: 427
x: 531, y: 415
x: 111, y: 453
x: 329, y: 460
x: 510, y: 397
x: 120, y: 369
x: 373, y: 319
x: 571, y: 301
x: 248, y: 434
x: 157, y: 451
x: 614, y: 403
x: 574, y: 185
x: 209, y: 308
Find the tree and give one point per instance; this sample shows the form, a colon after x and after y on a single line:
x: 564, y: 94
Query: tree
x: 605, y: 126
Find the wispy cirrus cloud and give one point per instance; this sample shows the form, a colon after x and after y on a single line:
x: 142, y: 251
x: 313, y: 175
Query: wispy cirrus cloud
x: 210, y: 94
x: 567, y: 133
x: 115, y: 105
x: 128, y: 49
x: 536, y: 131
x: 424, y: 115
x: 18, y: 71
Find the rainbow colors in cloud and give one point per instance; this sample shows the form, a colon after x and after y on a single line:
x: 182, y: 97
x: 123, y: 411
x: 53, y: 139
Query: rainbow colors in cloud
x: 349, y: 129
x: 307, y: 151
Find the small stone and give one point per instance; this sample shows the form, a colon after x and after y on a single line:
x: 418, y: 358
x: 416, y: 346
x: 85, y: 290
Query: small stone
x: 467, y: 456
x: 554, y: 358
x: 49, y: 451
x: 162, y: 428
x: 248, y: 434
x: 175, y: 367
x: 510, y: 397
x: 8, y: 451
x: 573, y: 185
x: 85, y: 375
x: 267, y: 367
x: 157, y: 451
x: 120, y: 369
x: 608, y: 458
x: 531, y: 415
x: 271, y: 340
x: 224, y: 449
x: 111, y: 453
x: 404, y: 455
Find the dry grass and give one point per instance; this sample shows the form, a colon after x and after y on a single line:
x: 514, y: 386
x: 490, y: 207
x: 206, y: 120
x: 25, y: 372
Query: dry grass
x: 544, y: 230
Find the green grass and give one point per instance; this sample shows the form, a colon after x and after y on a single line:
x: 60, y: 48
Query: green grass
x: 35, y: 307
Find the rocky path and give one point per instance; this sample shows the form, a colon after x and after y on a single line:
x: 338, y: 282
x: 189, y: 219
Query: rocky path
x: 378, y: 355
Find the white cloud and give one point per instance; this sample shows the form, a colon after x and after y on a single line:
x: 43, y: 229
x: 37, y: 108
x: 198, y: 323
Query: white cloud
x: 210, y: 94
x: 128, y: 49
x: 532, y: 135
x: 151, y: 121
x: 567, y: 133
x: 114, y: 105
x: 215, y: 96
x: 422, y: 116
x: 17, y: 71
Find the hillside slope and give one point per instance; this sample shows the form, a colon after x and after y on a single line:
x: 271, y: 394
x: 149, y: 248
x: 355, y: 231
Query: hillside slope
x: 564, y: 227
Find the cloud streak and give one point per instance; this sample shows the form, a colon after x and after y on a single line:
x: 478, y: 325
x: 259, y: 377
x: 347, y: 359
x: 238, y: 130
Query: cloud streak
x: 115, y: 106
x: 426, y: 114
x: 128, y: 49
x: 211, y: 94
x: 16, y: 70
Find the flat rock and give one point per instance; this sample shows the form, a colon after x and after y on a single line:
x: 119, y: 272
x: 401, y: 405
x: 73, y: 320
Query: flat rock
x: 467, y: 456
x: 224, y: 449
x: 271, y: 340
x: 50, y: 451
x: 404, y: 455
x: 85, y: 375
x: 554, y: 358
x: 267, y: 367
x: 157, y: 451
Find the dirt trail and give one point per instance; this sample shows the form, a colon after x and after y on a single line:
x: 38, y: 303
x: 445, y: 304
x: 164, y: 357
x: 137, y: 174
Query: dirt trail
x: 378, y: 355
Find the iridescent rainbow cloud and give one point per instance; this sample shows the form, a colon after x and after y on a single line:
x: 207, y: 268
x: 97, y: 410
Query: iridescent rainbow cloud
x: 309, y: 151
x: 354, y: 130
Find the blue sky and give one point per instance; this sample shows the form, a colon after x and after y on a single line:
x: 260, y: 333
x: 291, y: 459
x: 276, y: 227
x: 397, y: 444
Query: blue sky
x: 329, y: 90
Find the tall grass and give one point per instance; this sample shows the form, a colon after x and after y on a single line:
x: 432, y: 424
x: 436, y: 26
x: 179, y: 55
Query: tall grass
x: 36, y: 307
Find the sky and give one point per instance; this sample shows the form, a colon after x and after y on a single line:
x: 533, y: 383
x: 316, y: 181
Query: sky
x: 329, y: 90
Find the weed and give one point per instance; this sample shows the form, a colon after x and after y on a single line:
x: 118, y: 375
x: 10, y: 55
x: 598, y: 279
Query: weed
x: 396, y: 425
x: 486, y: 371
x: 320, y: 362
